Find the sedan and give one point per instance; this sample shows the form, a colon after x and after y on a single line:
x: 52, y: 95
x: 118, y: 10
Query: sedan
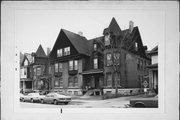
x: 31, y: 97
x: 56, y: 98
x: 144, y: 102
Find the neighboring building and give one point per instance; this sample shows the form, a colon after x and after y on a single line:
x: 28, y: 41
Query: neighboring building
x: 39, y: 68
x: 25, y: 73
x: 114, y: 61
x: 153, y: 69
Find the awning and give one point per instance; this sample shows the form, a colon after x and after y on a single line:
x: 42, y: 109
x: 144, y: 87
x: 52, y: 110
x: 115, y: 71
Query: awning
x: 92, y: 71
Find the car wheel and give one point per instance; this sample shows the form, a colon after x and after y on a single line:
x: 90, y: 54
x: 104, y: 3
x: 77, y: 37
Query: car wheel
x: 32, y: 100
x: 139, y: 106
x: 55, y: 102
x: 66, y: 103
x: 23, y: 100
x: 42, y: 101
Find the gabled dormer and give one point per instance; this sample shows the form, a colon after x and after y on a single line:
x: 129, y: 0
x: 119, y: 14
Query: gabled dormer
x: 69, y: 44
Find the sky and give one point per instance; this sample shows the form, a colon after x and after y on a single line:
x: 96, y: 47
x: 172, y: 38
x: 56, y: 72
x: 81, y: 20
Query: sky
x: 35, y: 27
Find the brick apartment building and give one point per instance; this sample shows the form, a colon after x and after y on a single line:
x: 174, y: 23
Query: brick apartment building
x: 116, y: 60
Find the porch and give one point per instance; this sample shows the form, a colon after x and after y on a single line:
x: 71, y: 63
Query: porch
x: 92, y: 82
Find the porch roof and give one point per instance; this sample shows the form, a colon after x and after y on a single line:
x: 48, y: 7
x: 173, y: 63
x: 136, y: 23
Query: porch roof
x: 26, y: 79
x: 92, y: 71
x: 153, y: 66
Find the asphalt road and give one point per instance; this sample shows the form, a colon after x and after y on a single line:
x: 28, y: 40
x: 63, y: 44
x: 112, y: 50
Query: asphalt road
x: 84, y: 103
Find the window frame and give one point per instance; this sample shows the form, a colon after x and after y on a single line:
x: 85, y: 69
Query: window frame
x: 108, y: 61
x: 107, y: 40
x: 95, y: 60
x: 108, y: 80
x: 59, y: 52
x: 66, y: 51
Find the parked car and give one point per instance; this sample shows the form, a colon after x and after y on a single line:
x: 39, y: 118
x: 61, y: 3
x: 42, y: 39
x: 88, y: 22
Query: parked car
x: 56, y: 98
x: 32, y: 97
x: 144, y: 102
x: 21, y: 96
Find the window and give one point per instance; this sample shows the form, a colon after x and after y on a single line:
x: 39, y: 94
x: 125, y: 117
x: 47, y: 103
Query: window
x: 95, y: 63
x: 73, y: 81
x: 73, y: 65
x: 109, y: 59
x: 117, y: 79
x: 116, y: 58
x: 61, y: 82
x: 109, y: 79
x: 67, y: 51
x: 70, y: 82
x: 95, y: 46
x: 60, y: 67
x: 56, y: 67
x: 59, y: 53
x: 107, y: 40
x: 38, y: 72
x: 136, y: 46
x: 49, y: 69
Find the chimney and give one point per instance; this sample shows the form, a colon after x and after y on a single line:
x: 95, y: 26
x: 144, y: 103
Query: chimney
x: 131, y: 26
x: 48, y: 50
x: 80, y: 33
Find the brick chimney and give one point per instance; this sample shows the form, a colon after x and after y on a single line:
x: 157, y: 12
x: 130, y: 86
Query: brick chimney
x: 131, y: 26
x: 80, y: 33
x: 48, y: 51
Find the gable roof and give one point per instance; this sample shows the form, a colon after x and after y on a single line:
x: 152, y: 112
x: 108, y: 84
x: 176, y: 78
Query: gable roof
x: 114, y: 27
x: 79, y: 42
x: 40, y: 52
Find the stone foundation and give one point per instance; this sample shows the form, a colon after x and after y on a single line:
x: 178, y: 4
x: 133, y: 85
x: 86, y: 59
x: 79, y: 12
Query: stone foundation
x: 129, y: 91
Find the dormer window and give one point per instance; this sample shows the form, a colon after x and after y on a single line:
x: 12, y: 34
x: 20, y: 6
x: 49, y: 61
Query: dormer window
x: 67, y: 51
x: 95, y: 46
x: 59, y: 53
x: 107, y: 40
x: 136, y: 46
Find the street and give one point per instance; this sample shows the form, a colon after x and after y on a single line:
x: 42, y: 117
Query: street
x: 85, y: 102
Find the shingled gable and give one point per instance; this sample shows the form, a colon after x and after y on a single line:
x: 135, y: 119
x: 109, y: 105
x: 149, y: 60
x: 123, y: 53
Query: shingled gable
x: 40, y: 52
x: 79, y: 42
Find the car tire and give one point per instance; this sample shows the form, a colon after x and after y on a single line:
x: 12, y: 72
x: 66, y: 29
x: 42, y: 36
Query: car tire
x: 23, y: 100
x: 55, y: 102
x: 32, y: 100
x: 66, y: 103
x: 42, y: 101
x: 139, y: 106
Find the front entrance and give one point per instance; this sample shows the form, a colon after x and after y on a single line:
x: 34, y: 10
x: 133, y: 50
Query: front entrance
x: 92, y: 81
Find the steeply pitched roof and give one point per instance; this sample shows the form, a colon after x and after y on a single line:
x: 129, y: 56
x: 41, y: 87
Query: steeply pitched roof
x: 79, y: 42
x: 40, y: 52
x: 114, y: 27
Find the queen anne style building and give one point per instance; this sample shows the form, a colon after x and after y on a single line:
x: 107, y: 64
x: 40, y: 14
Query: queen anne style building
x: 113, y: 62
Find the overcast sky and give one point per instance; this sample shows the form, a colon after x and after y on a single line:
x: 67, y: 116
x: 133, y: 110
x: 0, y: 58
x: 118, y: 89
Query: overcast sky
x: 34, y: 27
